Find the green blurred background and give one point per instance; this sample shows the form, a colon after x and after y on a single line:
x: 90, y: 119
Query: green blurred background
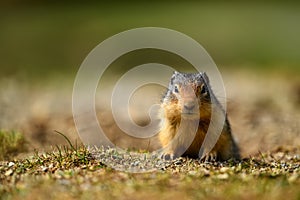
x: 51, y: 39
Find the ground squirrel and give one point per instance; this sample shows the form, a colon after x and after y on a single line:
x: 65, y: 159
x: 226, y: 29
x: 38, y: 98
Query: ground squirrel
x: 189, y: 99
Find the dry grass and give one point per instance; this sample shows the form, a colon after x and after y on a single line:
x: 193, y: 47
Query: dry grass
x: 69, y: 174
x: 11, y: 144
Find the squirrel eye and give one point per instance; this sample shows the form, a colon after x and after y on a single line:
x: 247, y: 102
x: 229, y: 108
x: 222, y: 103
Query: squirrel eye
x: 202, y: 89
x: 176, y: 89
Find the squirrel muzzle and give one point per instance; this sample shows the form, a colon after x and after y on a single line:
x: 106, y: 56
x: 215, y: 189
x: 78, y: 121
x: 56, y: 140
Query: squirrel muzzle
x: 189, y: 101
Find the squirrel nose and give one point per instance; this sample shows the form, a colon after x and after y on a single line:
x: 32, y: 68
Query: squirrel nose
x: 189, y: 106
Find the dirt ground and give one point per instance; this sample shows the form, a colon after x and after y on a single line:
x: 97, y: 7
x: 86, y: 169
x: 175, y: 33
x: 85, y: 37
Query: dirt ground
x: 263, y: 109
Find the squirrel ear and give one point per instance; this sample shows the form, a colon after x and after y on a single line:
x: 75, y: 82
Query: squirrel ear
x: 205, y: 77
x: 175, y: 73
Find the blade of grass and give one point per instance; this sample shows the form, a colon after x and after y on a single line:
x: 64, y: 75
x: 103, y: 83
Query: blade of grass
x: 67, y: 139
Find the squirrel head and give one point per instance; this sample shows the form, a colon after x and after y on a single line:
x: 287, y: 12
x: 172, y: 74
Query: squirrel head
x: 188, y: 95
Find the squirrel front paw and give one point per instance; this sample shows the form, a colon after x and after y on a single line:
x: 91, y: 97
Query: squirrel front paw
x: 209, y: 157
x: 168, y: 155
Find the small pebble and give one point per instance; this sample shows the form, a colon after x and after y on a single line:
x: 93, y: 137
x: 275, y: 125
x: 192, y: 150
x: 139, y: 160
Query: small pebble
x: 9, y: 172
x: 193, y: 173
x: 10, y: 164
x: 222, y: 176
x: 44, y: 168
x: 224, y: 169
